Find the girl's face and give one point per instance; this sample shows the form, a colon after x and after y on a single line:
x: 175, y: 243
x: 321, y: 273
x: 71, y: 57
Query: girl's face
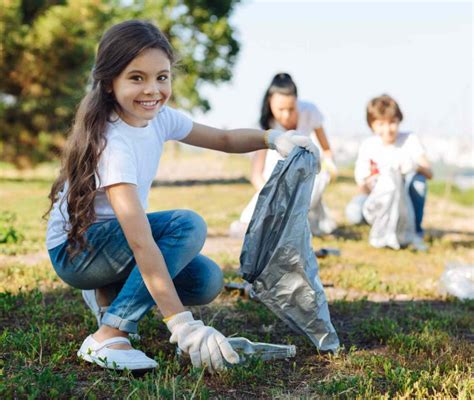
x: 143, y: 87
x: 284, y: 110
x: 386, y: 129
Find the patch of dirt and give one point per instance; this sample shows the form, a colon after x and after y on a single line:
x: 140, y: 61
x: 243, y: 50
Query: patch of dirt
x: 203, y: 166
x: 221, y: 243
x: 24, y: 259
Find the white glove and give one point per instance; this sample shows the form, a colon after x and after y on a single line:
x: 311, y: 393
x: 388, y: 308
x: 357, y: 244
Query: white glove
x: 205, y: 345
x: 330, y: 166
x: 284, y: 142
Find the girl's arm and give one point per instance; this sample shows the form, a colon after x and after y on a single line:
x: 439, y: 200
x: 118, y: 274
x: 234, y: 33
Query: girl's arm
x: 205, y: 345
x: 125, y: 202
x: 258, y: 165
x: 229, y: 141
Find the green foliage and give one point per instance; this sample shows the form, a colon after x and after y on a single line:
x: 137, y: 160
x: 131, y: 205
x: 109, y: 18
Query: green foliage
x: 48, y: 50
x: 346, y: 387
x: 377, y: 329
x: 8, y: 232
x: 452, y: 192
x: 38, y: 383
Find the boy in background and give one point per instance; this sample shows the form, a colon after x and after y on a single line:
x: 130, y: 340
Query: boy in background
x: 387, y: 149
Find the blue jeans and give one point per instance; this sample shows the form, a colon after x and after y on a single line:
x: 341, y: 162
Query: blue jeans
x: 108, y: 263
x: 417, y: 188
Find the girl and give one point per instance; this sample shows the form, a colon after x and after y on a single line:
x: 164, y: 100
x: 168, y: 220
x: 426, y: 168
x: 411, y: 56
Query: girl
x: 99, y: 236
x: 281, y: 109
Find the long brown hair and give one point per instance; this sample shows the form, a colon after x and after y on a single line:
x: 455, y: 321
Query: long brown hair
x: 118, y: 47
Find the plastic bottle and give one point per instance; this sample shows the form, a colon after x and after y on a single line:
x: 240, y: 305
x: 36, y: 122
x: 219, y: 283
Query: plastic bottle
x: 265, y: 351
x: 245, y: 288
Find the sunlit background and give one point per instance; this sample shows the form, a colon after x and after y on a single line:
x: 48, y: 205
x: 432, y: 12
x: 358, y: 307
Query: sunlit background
x: 341, y: 54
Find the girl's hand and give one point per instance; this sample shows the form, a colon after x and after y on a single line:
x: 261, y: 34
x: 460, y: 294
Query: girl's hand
x: 284, y: 142
x: 205, y: 345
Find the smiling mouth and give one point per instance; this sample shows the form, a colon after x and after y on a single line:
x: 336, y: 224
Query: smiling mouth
x: 148, y: 103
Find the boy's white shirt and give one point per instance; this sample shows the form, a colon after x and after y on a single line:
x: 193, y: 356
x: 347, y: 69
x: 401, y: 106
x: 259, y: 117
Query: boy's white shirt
x: 132, y: 155
x: 309, y: 119
x: 404, y: 154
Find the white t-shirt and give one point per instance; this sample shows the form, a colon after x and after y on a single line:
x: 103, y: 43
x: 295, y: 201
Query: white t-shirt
x: 309, y: 118
x: 132, y: 155
x: 375, y: 155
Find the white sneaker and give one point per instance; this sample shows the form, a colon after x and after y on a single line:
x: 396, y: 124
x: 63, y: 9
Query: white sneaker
x: 98, y: 311
x: 99, y: 353
x: 419, y: 244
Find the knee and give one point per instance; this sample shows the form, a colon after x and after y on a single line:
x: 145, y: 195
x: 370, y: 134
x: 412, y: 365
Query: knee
x: 194, y: 224
x: 213, y: 285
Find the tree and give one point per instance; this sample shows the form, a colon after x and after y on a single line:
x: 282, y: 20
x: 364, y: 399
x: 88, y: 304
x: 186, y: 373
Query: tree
x: 47, y: 52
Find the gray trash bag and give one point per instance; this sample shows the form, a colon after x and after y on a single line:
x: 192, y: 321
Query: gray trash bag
x: 390, y: 212
x: 277, y: 257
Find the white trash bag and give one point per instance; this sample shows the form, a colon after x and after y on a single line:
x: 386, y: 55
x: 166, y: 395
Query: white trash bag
x: 458, y: 280
x: 389, y: 211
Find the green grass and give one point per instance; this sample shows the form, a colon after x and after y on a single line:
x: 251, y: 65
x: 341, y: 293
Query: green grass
x: 452, y: 192
x: 401, y: 338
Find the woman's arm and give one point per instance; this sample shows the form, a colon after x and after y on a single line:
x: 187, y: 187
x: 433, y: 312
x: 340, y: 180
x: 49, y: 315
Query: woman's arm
x: 229, y: 141
x: 323, y: 141
x: 258, y: 165
x: 125, y: 202
x: 328, y: 158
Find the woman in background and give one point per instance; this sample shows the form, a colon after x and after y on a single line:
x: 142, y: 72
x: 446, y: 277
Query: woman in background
x: 283, y: 110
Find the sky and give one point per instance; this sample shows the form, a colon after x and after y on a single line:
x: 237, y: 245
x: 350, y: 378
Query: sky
x: 341, y: 54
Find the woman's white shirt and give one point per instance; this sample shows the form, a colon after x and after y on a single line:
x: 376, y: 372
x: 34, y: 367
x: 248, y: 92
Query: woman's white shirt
x: 309, y: 119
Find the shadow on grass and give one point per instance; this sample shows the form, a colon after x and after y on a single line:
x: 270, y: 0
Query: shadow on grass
x: 439, y: 233
x: 350, y: 232
x: 463, y: 244
x: 200, y: 182
x: 344, y: 179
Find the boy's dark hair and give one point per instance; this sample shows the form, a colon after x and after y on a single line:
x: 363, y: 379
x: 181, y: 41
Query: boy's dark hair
x: 281, y: 83
x: 383, y: 107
